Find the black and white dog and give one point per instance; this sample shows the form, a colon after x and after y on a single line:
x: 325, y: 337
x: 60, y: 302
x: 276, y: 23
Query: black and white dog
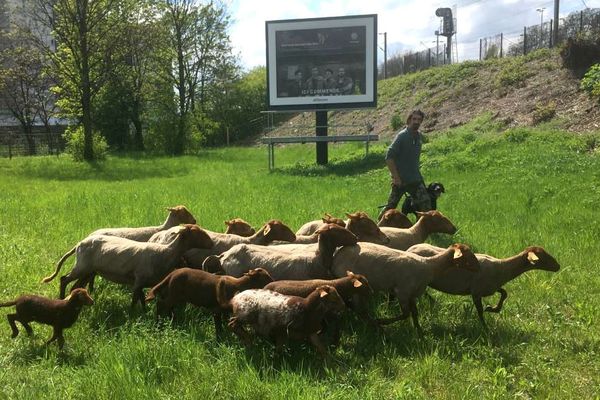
x: 434, y: 190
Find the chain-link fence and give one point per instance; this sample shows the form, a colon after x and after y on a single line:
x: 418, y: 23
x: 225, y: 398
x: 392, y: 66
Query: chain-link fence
x: 14, y: 142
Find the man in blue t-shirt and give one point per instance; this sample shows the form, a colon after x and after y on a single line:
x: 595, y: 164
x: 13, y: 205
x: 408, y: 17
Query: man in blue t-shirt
x: 402, y: 159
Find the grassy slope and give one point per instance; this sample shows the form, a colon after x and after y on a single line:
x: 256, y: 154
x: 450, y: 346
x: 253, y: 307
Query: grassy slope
x: 512, y: 88
x: 506, y: 190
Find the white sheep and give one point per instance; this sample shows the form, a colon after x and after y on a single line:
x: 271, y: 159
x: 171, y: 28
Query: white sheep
x: 492, y: 275
x: 140, y: 264
x: 177, y: 215
x: 272, y: 230
x: 404, y: 274
x: 291, y: 261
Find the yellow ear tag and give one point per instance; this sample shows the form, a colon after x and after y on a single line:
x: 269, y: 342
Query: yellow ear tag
x: 357, y: 283
x: 457, y: 253
x: 532, y: 258
x: 267, y: 230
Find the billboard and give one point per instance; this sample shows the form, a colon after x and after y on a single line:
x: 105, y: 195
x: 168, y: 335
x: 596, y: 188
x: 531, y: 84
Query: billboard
x: 322, y: 63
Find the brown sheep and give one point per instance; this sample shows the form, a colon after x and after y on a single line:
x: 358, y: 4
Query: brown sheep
x: 199, y: 288
x: 272, y: 314
x: 393, y: 218
x: 238, y: 226
x: 60, y: 314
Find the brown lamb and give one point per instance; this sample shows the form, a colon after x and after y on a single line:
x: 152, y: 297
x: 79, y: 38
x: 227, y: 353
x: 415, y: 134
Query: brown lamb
x: 187, y: 285
x: 60, y: 314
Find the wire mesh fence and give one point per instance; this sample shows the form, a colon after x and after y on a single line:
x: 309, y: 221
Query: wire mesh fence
x: 14, y: 142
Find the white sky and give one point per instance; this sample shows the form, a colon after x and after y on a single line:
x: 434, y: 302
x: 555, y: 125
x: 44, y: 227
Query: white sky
x: 410, y: 24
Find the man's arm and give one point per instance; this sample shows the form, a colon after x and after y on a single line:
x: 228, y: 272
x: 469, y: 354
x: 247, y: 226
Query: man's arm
x: 394, y: 171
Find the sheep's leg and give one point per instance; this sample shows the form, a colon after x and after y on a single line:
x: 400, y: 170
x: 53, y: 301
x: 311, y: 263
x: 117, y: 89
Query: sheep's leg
x: 66, y: 279
x: 57, y: 335
x: 27, y: 327
x: 86, y: 280
x: 316, y: 341
x: 415, y: 315
x: 498, y: 307
x: 405, y: 312
x: 479, y: 307
x: 11, y: 321
x: 138, y: 293
x: 218, y: 319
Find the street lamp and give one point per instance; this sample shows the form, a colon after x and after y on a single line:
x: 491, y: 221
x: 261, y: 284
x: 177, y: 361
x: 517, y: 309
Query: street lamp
x: 384, y: 54
x: 541, y: 11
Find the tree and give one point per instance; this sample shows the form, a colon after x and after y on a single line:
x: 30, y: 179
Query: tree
x: 23, y: 87
x: 201, y: 57
x: 83, y: 56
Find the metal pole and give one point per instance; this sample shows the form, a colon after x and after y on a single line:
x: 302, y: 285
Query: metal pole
x: 321, y: 130
x: 501, y: 43
x: 437, y: 48
x: 524, y: 40
x: 480, y: 44
x: 555, y: 32
x: 384, y: 55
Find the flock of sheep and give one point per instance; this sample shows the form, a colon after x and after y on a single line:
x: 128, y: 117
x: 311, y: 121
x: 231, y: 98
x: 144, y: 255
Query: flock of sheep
x: 280, y: 283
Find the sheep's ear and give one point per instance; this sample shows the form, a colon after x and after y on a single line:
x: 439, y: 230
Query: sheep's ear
x: 323, y: 293
x: 457, y: 253
x: 420, y: 214
x: 227, y: 223
x: 68, y: 297
x: 267, y: 230
x: 357, y: 283
x: 351, y: 216
x: 532, y: 257
x: 349, y: 273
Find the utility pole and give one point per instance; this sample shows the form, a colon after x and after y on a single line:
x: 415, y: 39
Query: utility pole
x: 555, y: 33
x: 384, y: 54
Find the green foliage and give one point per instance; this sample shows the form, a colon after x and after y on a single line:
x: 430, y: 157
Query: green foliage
x: 591, y: 81
x: 397, y: 122
x: 544, y: 112
x: 514, y: 72
x: 75, y: 143
x: 517, y: 135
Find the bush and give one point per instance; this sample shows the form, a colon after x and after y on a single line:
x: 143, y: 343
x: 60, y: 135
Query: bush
x: 75, y: 143
x: 591, y: 81
x: 397, y: 122
x: 544, y: 112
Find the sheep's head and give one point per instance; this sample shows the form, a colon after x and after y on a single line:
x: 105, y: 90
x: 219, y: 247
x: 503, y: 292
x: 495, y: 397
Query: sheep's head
x: 538, y: 258
x: 80, y: 296
x: 181, y: 215
x: 277, y: 230
x: 463, y: 257
x: 436, y: 222
x: 336, y: 235
x: 195, y: 237
x: 394, y: 219
x: 259, y: 277
x: 238, y: 226
x: 331, y: 299
x: 365, y: 228
x: 328, y: 219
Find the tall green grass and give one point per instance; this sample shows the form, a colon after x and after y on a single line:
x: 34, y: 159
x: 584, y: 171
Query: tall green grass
x: 505, y: 190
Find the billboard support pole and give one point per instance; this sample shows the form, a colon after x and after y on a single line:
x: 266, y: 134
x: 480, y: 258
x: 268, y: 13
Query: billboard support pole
x: 321, y: 130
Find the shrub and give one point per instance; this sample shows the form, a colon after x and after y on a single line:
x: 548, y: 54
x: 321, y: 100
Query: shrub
x: 75, y: 143
x: 397, y: 122
x: 513, y: 73
x: 591, y: 81
x: 517, y: 135
x: 544, y: 112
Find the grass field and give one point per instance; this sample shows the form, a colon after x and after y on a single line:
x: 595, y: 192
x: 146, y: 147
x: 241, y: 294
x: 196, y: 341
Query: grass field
x: 505, y: 191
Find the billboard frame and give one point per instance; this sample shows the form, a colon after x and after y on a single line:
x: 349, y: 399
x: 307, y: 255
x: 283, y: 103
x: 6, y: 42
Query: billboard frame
x: 339, y: 43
